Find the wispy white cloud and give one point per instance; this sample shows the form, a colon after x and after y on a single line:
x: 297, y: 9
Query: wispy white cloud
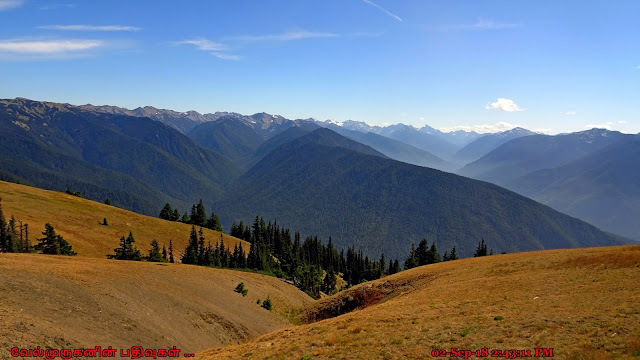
x: 48, y: 46
x: 481, y: 129
x: 288, y: 36
x: 607, y: 125
x: 204, y: 44
x: 570, y: 113
x: 224, y: 56
x: 90, y: 28
x: 220, y: 49
x: 638, y: 67
x: 10, y: 4
x: 216, y: 49
x: 57, y: 6
x: 371, y: 3
x: 503, y: 104
x: 622, y: 122
x: 482, y: 24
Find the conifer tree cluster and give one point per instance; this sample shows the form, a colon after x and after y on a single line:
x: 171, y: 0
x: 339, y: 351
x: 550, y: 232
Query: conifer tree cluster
x: 310, y: 264
x: 14, y: 235
x: 53, y: 244
x: 127, y: 249
x: 201, y: 252
x: 198, y: 216
x: 482, y: 249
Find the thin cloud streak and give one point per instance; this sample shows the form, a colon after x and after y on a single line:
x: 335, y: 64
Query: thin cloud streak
x: 214, y: 48
x: 10, y: 4
x: 482, y: 24
x: 289, y: 36
x: 224, y: 56
x: 204, y: 44
x: 220, y: 49
x: 371, y: 3
x: 90, y: 28
x: 48, y: 47
x: 57, y: 6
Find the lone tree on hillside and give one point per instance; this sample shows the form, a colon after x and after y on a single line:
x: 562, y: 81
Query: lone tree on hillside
x: 53, y: 244
x: 154, y: 253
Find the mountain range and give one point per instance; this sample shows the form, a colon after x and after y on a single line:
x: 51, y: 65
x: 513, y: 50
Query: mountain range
x: 591, y: 175
x: 360, y: 188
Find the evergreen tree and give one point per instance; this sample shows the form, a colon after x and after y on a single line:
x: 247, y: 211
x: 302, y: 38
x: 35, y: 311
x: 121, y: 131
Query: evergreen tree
x: 171, y: 252
x: 445, y: 257
x: 104, y: 222
x: 166, y: 213
x: 185, y: 218
x: 49, y: 243
x: 201, y: 216
x: 53, y: 244
x: 133, y: 252
x: 127, y: 250
x: 3, y: 230
x: 380, y: 268
x: 434, y: 256
x: 176, y: 215
x: 202, y: 251
x: 396, y: 266
x: 481, y: 250
x: 454, y: 254
x: 190, y: 255
x: 27, y: 243
x: 107, y: 201
x: 422, y: 253
x: 329, y: 282
x: 267, y: 304
x: 412, y: 259
x: 154, y: 252
x: 214, y: 223
x: 164, y: 253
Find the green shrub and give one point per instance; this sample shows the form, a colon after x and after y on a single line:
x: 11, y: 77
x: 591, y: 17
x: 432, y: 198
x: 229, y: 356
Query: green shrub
x: 240, y: 288
x: 267, y: 304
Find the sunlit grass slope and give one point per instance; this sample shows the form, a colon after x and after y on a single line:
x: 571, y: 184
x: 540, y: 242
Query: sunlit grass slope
x: 583, y: 303
x: 79, y: 222
x: 79, y: 302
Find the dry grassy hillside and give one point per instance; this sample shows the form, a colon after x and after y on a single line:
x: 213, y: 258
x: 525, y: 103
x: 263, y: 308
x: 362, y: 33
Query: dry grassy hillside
x: 75, y: 302
x: 583, y: 303
x: 79, y: 222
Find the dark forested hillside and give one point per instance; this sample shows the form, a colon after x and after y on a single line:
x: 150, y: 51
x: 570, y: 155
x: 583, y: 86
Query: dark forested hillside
x: 602, y: 188
x: 238, y: 137
x: 527, y: 154
x: 394, y: 149
x: 319, y: 185
x: 136, y: 162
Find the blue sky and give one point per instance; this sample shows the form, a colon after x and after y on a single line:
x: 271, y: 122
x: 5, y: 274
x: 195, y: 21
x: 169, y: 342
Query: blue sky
x: 552, y: 66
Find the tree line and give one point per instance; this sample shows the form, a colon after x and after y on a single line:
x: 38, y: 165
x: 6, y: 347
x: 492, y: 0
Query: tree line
x: 198, y: 216
x: 17, y: 241
x: 309, y: 263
